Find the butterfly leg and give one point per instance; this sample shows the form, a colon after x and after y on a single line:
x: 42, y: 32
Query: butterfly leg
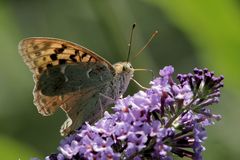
x: 101, y: 107
x: 139, y: 84
x: 107, y: 97
x: 105, y: 101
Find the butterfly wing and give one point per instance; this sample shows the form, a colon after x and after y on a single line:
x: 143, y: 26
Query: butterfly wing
x: 39, y: 53
x: 42, y: 56
x: 82, y: 107
x: 80, y: 87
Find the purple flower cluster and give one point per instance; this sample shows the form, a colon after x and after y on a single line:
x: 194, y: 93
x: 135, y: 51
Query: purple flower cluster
x: 166, y: 119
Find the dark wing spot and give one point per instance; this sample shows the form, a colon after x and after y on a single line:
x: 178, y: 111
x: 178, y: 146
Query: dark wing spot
x: 43, y: 100
x: 53, y: 57
x: 73, y: 58
x: 49, y: 65
x: 44, y: 58
x: 84, y: 54
x: 40, y: 69
x: 76, y: 52
x: 35, y: 47
x: 54, y: 103
x: 58, y: 50
x: 62, y: 61
x: 63, y: 46
x: 89, y: 59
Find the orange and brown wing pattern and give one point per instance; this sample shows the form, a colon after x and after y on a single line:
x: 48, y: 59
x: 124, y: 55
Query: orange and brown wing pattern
x: 39, y: 53
x: 42, y: 53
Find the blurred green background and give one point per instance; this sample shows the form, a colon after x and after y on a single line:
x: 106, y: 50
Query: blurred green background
x: 191, y: 34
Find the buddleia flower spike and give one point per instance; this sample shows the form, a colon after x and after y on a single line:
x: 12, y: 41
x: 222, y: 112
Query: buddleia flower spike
x: 167, y: 120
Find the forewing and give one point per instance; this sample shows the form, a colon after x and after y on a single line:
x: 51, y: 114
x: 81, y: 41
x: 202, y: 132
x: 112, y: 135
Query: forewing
x: 39, y: 53
x: 43, y: 54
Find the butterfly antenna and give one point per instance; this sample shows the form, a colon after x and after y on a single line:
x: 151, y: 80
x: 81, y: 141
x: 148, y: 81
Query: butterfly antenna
x: 150, y: 39
x: 130, y: 41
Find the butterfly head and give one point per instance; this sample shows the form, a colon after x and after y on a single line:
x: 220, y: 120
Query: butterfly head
x: 124, y: 68
x: 124, y: 73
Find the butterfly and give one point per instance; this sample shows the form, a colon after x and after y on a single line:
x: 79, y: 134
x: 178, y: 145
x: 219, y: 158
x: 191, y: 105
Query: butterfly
x: 73, y: 78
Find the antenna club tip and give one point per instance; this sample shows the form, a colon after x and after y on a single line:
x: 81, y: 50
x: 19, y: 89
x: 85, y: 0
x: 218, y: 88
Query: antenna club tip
x: 134, y: 25
x: 156, y: 32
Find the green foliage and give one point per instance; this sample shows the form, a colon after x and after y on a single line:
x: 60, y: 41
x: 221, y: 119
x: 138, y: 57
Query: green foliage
x: 214, y: 28
x: 12, y: 149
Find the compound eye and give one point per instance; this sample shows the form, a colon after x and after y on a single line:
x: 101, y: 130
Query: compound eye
x: 129, y: 65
